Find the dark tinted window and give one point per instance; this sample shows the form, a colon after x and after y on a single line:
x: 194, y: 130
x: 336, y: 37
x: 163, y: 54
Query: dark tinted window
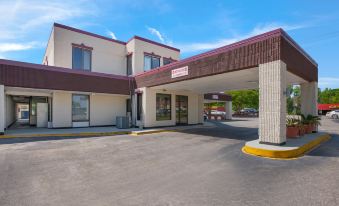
x: 81, y: 59
x: 151, y: 62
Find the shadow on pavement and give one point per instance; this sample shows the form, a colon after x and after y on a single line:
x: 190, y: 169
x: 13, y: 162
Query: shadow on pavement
x: 225, y: 131
x: 327, y: 149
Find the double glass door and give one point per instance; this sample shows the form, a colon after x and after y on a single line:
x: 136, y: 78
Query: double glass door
x: 181, y: 108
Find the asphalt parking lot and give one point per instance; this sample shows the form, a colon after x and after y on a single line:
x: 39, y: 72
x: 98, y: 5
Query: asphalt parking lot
x: 194, y: 167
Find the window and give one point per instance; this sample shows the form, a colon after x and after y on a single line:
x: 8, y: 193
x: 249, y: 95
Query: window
x: 128, y: 105
x: 81, y: 59
x: 129, y: 64
x: 80, y: 108
x: 163, y: 107
x: 139, y: 106
x: 167, y: 61
x: 151, y: 62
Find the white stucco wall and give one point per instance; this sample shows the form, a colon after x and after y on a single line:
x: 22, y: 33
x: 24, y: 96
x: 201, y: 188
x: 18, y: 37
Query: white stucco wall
x: 138, y: 47
x: 49, y: 53
x: 105, y: 108
x: 10, y: 111
x: 149, y: 108
x: 62, y: 109
x: 107, y: 57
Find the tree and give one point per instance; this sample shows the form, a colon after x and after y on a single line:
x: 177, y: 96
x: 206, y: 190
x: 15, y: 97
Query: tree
x: 244, y: 98
x: 328, y: 96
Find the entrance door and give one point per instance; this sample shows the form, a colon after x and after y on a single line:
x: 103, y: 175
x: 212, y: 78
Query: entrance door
x: 181, y: 108
x: 42, y: 114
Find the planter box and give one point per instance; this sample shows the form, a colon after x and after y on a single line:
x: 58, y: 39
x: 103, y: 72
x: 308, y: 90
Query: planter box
x: 292, y: 132
x: 308, y: 128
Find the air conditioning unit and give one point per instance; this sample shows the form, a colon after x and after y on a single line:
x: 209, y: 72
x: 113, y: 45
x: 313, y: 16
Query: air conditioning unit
x: 122, y: 122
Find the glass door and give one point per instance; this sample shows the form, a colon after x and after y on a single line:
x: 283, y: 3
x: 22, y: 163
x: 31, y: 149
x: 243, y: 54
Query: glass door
x: 181, y: 109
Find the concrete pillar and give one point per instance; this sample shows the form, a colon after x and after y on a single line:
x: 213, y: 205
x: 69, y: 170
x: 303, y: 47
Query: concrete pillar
x: 308, y: 98
x: 228, y: 110
x: 200, y: 108
x: 272, y: 103
x: 2, y: 110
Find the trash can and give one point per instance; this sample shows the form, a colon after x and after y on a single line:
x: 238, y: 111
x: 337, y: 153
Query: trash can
x: 122, y: 122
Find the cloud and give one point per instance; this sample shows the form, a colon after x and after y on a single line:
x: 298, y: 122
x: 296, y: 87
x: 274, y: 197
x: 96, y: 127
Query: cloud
x: 258, y: 29
x: 10, y: 47
x: 156, y: 33
x: 112, y: 35
x: 24, y: 21
x: 328, y: 82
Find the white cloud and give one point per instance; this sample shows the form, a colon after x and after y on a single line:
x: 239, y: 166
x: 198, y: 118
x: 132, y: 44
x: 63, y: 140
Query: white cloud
x: 156, y: 33
x: 10, y: 47
x: 112, y: 35
x: 259, y: 29
x: 328, y: 82
x: 23, y: 21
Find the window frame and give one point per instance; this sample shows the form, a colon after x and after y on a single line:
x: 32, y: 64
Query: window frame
x: 129, y: 72
x: 158, y: 117
x: 170, y: 60
x: 89, y: 107
x: 152, y: 56
x: 82, y: 48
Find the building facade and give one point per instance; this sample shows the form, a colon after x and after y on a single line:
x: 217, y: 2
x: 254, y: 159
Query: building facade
x: 89, y: 80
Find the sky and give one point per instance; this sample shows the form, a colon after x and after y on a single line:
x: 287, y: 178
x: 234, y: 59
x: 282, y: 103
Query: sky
x: 192, y: 26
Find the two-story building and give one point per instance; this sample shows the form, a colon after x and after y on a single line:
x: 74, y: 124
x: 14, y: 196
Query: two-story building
x: 88, y: 80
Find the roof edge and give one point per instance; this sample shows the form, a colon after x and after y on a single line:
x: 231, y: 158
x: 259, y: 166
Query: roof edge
x: 225, y: 48
x: 113, y: 40
x: 60, y: 69
x: 153, y: 42
x: 87, y: 33
x: 298, y: 47
x: 235, y: 45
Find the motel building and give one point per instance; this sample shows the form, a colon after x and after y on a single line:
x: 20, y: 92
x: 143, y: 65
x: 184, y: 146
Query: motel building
x: 88, y: 80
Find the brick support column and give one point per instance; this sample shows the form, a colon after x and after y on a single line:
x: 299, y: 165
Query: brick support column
x: 228, y: 110
x: 309, y: 97
x: 272, y: 103
x: 2, y: 110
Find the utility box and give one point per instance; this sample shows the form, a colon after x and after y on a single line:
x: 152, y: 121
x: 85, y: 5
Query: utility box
x: 122, y: 122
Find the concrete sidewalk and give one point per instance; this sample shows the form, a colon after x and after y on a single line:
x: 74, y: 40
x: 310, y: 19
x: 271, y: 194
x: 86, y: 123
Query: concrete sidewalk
x: 93, y: 131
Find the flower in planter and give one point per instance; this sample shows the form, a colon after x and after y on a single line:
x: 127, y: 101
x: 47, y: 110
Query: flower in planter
x: 292, y: 127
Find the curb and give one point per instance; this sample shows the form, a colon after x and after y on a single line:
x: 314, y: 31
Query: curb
x: 138, y: 133
x: 286, y: 154
x: 84, y: 134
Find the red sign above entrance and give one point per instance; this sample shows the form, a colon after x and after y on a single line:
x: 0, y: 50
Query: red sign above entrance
x: 183, y: 71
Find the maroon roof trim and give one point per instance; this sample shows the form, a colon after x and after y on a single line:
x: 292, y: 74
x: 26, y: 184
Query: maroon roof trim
x: 59, y: 69
x: 88, y: 33
x: 19, y: 74
x: 298, y: 47
x: 82, y: 46
x: 113, y: 40
x: 276, y: 32
x: 153, y: 42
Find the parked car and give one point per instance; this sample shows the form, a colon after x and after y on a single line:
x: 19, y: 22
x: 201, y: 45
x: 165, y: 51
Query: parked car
x: 333, y: 114
x: 217, y: 112
x: 248, y: 110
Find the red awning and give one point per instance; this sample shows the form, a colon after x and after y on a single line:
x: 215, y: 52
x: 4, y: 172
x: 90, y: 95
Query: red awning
x: 328, y: 106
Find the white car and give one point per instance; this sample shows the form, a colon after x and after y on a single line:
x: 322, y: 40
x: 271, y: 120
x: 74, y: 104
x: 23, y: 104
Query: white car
x: 216, y: 112
x: 333, y: 114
